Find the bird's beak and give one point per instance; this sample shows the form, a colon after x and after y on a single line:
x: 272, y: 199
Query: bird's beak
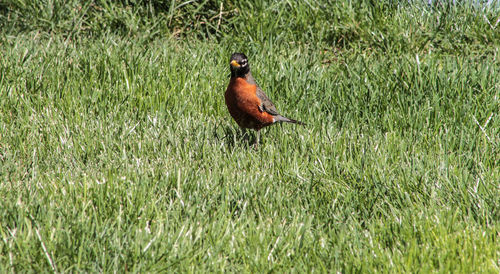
x: 235, y: 64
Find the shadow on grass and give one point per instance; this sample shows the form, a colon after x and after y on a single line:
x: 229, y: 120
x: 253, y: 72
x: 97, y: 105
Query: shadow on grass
x: 234, y: 136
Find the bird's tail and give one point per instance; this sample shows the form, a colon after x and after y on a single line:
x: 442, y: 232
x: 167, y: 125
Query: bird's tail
x: 280, y: 118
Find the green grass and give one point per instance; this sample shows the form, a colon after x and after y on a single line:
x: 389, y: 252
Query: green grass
x: 117, y: 152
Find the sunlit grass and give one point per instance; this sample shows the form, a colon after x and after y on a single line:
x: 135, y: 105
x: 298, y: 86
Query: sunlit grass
x: 118, y: 154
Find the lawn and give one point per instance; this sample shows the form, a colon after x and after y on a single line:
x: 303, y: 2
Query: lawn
x: 117, y: 152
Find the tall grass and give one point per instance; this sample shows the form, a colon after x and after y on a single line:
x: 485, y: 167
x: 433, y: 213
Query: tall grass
x: 117, y: 152
x: 389, y: 25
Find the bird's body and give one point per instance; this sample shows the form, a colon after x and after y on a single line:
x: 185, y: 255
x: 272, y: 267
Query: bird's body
x: 247, y: 103
x: 243, y: 104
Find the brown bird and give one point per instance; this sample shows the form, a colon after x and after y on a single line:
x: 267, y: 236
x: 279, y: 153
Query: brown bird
x: 247, y: 103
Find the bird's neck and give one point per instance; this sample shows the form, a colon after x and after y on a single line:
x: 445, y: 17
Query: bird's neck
x: 247, y: 76
x: 242, y: 72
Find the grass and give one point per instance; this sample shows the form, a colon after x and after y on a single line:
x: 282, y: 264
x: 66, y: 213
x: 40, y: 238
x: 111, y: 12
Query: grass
x: 117, y: 152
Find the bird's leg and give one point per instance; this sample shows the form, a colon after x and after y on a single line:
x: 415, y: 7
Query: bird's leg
x: 257, y: 139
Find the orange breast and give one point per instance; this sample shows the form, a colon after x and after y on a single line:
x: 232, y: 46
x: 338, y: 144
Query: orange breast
x: 243, y: 105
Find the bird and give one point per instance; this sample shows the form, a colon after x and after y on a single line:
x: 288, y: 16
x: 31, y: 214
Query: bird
x: 246, y: 102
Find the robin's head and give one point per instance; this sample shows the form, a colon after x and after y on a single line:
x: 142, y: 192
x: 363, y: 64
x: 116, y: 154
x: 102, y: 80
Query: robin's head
x: 239, y: 65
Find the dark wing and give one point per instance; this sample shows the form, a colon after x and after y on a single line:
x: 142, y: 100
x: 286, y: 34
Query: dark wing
x: 266, y: 104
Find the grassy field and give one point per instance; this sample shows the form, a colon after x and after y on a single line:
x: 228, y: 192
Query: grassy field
x: 117, y: 152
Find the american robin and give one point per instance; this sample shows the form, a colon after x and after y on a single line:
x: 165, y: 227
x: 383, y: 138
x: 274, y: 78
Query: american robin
x: 246, y: 102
